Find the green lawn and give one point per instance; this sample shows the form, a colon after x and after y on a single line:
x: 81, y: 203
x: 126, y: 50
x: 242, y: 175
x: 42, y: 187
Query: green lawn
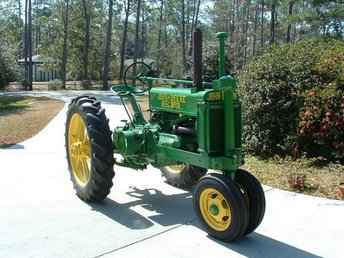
x: 10, y: 103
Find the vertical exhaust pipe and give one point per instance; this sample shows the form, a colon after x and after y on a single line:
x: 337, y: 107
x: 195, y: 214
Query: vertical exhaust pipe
x: 197, y: 59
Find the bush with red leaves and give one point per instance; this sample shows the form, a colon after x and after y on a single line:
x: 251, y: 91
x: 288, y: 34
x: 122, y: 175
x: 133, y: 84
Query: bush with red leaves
x: 321, y: 124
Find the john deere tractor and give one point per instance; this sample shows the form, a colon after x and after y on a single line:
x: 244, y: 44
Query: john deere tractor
x: 192, y: 134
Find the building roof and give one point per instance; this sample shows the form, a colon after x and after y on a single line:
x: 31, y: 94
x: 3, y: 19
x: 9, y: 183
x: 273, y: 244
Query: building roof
x: 38, y: 59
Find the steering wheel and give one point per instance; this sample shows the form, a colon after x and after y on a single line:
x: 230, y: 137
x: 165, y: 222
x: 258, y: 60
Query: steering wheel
x: 132, y: 77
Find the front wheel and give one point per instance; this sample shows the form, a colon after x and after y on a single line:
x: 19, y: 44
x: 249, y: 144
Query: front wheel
x: 182, y: 175
x: 254, y: 196
x: 89, y: 149
x: 221, y: 207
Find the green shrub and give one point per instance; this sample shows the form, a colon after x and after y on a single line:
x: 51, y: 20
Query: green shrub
x: 288, y: 94
x: 6, y: 73
x: 55, y: 84
x: 86, y: 84
x: 26, y: 84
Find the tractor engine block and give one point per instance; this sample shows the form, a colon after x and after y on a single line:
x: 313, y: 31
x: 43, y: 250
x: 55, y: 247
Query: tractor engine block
x: 139, y: 140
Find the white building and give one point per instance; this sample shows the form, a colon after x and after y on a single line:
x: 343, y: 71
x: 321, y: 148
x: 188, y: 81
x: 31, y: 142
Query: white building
x: 40, y: 72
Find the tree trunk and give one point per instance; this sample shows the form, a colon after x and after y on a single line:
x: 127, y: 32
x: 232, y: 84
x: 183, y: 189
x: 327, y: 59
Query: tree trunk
x: 165, y: 19
x: 192, y: 26
x: 26, y: 44
x: 137, y: 28
x: 65, y: 43
x: 142, y: 45
x: 262, y: 26
x: 159, y: 35
x: 248, y: 5
x: 107, y: 54
x: 272, y: 23
x: 231, y: 33
x: 290, y: 13
x: 20, y: 46
x: 165, y: 35
x: 29, y: 38
x: 197, y: 14
x: 193, y: 18
x: 294, y: 33
x: 183, y: 37
x: 188, y: 27
x: 194, y: 22
x: 87, y: 18
x: 236, y: 55
x: 19, y: 8
x: 36, y: 47
x: 124, y: 40
x: 255, y: 29
x: 36, y: 28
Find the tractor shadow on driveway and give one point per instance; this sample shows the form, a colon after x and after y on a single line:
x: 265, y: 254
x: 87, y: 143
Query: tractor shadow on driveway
x: 177, y: 209
x: 260, y: 246
x: 168, y: 209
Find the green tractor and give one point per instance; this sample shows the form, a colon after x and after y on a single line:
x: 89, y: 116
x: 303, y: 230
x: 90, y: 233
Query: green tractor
x: 190, y: 130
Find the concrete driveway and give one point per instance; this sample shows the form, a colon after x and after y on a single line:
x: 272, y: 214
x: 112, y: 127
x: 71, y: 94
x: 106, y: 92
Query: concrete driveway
x: 40, y: 216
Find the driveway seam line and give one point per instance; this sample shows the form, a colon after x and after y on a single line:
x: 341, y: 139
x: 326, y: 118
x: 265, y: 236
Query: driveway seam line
x: 143, y: 239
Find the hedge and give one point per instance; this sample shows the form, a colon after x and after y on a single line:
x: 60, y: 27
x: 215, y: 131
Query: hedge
x: 293, y: 100
x: 6, y: 73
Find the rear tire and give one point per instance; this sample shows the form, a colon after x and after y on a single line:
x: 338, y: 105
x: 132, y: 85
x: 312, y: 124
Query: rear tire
x: 254, y: 196
x: 182, y: 176
x: 89, y: 154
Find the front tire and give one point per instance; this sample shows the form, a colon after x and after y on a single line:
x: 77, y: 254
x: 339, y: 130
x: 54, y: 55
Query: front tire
x: 182, y: 175
x: 89, y: 149
x: 220, y: 207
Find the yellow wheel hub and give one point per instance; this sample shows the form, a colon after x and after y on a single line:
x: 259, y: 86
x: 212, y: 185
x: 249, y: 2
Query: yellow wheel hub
x: 79, y: 150
x: 215, y: 209
x: 175, y: 169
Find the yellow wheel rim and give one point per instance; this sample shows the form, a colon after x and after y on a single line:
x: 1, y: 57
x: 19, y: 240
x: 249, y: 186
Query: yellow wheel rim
x: 215, y: 209
x: 79, y: 150
x: 175, y: 169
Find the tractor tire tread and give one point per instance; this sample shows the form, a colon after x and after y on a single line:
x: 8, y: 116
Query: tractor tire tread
x: 187, y: 178
x: 256, y: 198
x: 102, y: 159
